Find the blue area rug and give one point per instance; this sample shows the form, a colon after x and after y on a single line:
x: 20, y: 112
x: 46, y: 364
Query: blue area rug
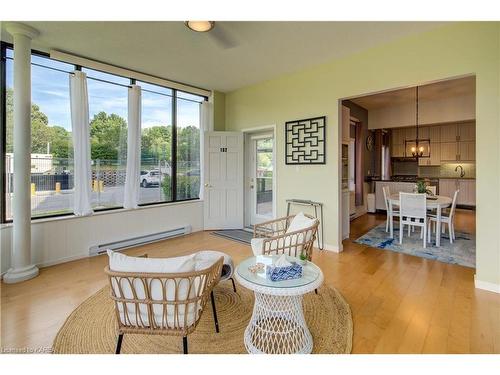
x: 462, y: 251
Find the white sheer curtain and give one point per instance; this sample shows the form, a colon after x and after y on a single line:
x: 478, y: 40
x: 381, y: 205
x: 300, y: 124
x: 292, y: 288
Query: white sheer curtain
x: 81, y: 143
x: 132, y: 176
x: 206, y: 116
x: 206, y: 124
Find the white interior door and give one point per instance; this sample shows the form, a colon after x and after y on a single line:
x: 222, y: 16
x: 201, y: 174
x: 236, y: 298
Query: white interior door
x: 223, y: 180
x: 261, y: 178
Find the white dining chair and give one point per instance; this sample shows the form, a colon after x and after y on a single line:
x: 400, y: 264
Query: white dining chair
x: 387, y: 194
x: 445, y: 219
x: 413, y: 212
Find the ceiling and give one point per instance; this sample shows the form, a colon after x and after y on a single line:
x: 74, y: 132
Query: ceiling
x: 252, y: 51
x: 435, y: 91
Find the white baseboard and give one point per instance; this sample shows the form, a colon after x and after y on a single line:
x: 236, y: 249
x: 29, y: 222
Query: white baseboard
x: 56, y: 261
x: 486, y: 285
x: 53, y: 262
x: 333, y: 248
x: 62, y: 260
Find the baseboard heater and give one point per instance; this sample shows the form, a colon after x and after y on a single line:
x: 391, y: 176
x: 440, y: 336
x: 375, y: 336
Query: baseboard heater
x: 140, y: 240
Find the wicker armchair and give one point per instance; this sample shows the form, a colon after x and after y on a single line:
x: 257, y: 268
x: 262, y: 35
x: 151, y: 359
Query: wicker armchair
x: 162, y: 304
x: 276, y: 240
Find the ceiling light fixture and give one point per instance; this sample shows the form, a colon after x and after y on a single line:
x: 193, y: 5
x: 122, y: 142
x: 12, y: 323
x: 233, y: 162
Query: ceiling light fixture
x: 200, y: 26
x: 418, y: 147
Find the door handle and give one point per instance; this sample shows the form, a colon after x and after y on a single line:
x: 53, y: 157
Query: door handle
x: 208, y: 185
x: 251, y: 186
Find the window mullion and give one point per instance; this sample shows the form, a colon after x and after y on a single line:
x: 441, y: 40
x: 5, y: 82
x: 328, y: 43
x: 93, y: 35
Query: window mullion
x: 173, y: 167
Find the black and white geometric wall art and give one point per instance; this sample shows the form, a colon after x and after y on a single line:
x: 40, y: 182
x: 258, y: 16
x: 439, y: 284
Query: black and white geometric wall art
x: 305, y: 141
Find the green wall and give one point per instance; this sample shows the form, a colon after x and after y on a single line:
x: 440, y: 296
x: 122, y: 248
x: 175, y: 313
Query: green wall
x: 450, y: 51
x: 219, y: 99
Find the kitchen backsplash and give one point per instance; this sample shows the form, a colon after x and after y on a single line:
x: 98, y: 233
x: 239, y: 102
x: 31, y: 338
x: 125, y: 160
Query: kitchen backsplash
x: 448, y: 170
x: 401, y: 168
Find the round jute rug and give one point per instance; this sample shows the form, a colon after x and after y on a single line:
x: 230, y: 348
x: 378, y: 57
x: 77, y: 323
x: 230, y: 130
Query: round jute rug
x: 91, y: 327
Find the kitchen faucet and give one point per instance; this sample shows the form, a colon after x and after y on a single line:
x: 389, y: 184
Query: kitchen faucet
x: 462, y: 172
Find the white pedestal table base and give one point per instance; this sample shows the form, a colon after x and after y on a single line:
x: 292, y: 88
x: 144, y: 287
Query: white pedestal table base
x: 278, y: 326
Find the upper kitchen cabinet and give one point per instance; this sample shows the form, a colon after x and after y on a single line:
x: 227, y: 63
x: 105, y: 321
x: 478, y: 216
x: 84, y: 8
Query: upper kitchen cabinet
x: 423, y: 132
x: 449, y: 151
x: 467, y: 151
x: 448, y: 133
x: 467, y: 132
x: 435, y: 134
x: 410, y: 133
x: 435, y: 156
x: 398, y: 136
x: 398, y: 150
x: 398, y: 142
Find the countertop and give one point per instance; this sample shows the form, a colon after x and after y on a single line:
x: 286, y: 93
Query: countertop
x: 426, y: 177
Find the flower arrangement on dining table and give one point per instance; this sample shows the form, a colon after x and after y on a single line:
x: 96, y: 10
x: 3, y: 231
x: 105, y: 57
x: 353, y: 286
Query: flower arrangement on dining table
x: 422, y: 187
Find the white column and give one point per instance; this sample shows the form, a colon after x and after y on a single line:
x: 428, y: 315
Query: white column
x: 21, y: 266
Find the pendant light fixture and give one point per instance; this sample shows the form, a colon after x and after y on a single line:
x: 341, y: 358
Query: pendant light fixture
x: 418, y: 147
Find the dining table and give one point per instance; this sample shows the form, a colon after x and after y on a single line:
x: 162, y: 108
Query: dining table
x: 433, y: 202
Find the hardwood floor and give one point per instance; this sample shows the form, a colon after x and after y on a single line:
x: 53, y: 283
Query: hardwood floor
x: 400, y: 303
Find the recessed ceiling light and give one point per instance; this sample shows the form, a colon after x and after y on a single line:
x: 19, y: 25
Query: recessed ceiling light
x: 200, y: 26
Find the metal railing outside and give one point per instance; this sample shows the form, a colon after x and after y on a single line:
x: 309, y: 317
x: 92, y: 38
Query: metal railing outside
x: 52, y: 183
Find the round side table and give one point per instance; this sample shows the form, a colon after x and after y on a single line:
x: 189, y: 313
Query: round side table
x: 278, y: 325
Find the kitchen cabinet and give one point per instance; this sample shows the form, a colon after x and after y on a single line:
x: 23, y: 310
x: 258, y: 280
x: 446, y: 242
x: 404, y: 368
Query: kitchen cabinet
x: 398, y: 151
x: 447, y: 187
x: 394, y: 187
x: 467, y: 187
x: 398, y: 142
x: 434, y: 134
x: 398, y: 136
x: 435, y: 157
x: 448, y: 133
x: 423, y: 132
x: 467, y: 151
x: 410, y: 133
x: 467, y: 194
x: 458, y: 151
x: 449, y: 151
x: 467, y: 132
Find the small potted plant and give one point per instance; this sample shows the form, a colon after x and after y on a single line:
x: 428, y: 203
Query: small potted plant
x: 422, y: 187
x: 303, y: 258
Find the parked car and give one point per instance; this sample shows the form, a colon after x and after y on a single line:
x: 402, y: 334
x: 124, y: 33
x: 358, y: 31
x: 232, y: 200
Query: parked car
x: 150, y: 178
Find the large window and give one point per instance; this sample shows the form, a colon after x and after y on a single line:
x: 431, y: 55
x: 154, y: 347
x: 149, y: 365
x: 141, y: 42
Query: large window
x: 51, y: 144
x: 156, y: 144
x: 188, y: 145
x: 108, y: 97
x: 169, y: 171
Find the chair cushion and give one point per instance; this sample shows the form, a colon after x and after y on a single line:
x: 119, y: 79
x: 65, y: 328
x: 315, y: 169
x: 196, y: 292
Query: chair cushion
x: 130, y: 317
x: 207, y: 258
x: 299, y: 222
x: 293, y: 245
x: 123, y: 263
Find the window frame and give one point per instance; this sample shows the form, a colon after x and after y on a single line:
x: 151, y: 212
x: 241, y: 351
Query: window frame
x: 3, y: 144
